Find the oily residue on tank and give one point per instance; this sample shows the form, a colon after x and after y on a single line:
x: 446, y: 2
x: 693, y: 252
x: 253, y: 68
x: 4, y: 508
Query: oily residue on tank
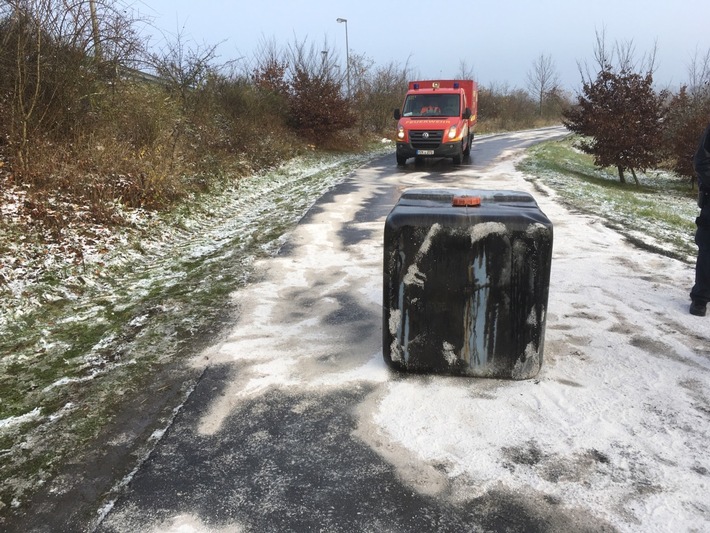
x: 465, y: 291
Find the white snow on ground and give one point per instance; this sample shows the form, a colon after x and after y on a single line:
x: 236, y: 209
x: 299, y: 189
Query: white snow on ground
x: 17, y: 420
x: 617, y: 422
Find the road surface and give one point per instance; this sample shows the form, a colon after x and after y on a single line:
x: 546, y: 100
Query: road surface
x: 275, y: 436
x: 297, y: 424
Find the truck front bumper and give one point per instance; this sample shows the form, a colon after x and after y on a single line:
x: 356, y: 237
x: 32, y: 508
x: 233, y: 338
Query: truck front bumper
x: 443, y: 150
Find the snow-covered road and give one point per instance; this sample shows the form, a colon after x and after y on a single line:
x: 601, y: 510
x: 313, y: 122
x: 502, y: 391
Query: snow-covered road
x: 298, y: 425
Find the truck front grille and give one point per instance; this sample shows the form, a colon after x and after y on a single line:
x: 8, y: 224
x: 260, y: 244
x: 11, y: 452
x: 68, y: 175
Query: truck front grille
x: 426, y: 139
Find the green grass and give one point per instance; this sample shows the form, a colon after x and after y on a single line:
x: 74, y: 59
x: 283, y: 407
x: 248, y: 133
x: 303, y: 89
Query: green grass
x: 659, y: 212
x: 78, y: 341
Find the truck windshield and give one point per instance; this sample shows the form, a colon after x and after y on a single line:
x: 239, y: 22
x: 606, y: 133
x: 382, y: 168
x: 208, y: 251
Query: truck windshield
x: 427, y: 105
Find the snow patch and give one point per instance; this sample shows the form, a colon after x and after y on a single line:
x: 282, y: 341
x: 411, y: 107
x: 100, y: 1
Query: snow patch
x: 15, y: 421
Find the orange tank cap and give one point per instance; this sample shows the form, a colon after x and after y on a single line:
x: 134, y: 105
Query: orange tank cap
x: 466, y: 201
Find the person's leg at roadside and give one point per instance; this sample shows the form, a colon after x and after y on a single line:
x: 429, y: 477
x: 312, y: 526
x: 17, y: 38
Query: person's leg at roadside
x: 700, y: 294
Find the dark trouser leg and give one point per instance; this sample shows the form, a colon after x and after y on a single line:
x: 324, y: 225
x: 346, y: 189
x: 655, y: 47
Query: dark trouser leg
x: 701, y: 289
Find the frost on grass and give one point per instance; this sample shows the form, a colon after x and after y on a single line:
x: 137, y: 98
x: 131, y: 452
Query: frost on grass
x: 658, y: 215
x: 96, y: 304
x: 15, y: 421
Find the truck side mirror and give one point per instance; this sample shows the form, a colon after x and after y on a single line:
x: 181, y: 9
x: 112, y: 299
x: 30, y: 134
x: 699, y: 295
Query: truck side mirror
x: 467, y: 113
x: 397, y: 114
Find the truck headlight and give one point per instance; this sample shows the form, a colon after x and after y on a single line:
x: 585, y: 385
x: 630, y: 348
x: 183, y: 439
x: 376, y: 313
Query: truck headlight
x: 452, y: 132
x: 400, y: 132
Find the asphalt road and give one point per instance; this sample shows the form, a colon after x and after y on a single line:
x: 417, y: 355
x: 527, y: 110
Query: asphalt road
x: 273, y: 436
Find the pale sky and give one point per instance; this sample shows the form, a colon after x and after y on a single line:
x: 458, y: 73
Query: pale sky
x: 499, y: 39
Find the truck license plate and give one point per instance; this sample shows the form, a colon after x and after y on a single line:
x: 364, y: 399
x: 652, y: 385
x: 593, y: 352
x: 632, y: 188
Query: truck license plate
x: 425, y: 152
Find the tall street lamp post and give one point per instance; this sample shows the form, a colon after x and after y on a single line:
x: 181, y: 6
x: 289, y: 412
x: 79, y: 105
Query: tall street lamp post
x: 347, y: 52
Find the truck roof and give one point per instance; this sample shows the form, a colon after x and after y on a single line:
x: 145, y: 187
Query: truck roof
x: 467, y: 85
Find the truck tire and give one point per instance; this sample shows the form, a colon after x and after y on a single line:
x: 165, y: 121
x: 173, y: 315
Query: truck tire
x: 459, y: 155
x: 467, y: 151
x: 401, y: 160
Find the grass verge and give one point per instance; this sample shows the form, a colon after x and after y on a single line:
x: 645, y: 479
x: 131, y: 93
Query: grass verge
x: 80, y: 341
x: 659, y: 214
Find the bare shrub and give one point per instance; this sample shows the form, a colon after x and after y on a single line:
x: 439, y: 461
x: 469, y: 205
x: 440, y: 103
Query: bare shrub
x: 502, y: 108
x: 317, y: 107
x: 53, y: 57
x: 377, y: 91
x: 183, y: 66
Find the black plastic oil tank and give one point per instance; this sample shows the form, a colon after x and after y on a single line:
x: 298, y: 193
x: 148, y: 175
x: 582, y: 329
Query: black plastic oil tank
x: 466, y: 282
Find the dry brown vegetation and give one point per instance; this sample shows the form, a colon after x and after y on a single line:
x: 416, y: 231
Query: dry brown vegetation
x: 79, y: 121
x: 91, y: 121
x: 82, y: 123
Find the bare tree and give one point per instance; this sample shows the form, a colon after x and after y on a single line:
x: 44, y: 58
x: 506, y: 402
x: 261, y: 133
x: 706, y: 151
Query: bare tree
x: 378, y: 90
x: 26, y: 40
x: 318, y: 62
x: 543, y: 80
x: 102, y: 29
x: 699, y: 73
x: 95, y: 33
x: 47, y: 46
x: 183, y: 65
x: 361, y: 78
x: 465, y: 71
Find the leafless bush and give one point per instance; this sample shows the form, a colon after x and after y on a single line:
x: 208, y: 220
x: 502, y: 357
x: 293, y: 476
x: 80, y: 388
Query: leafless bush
x: 53, y: 56
x: 183, y: 66
x: 317, y: 107
x: 502, y: 108
x: 377, y: 91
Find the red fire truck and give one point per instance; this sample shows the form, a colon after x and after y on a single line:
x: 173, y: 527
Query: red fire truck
x: 437, y: 119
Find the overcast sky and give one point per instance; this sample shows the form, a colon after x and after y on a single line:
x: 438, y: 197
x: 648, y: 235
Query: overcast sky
x: 499, y: 40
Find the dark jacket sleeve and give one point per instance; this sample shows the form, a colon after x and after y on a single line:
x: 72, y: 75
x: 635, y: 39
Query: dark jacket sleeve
x: 701, y: 161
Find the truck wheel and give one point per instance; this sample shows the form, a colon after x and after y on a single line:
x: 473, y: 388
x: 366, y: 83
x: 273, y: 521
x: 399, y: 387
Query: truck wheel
x: 459, y: 155
x: 401, y: 160
x: 467, y: 151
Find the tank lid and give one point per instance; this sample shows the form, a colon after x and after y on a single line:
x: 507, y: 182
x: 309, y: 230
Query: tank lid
x: 465, y: 201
